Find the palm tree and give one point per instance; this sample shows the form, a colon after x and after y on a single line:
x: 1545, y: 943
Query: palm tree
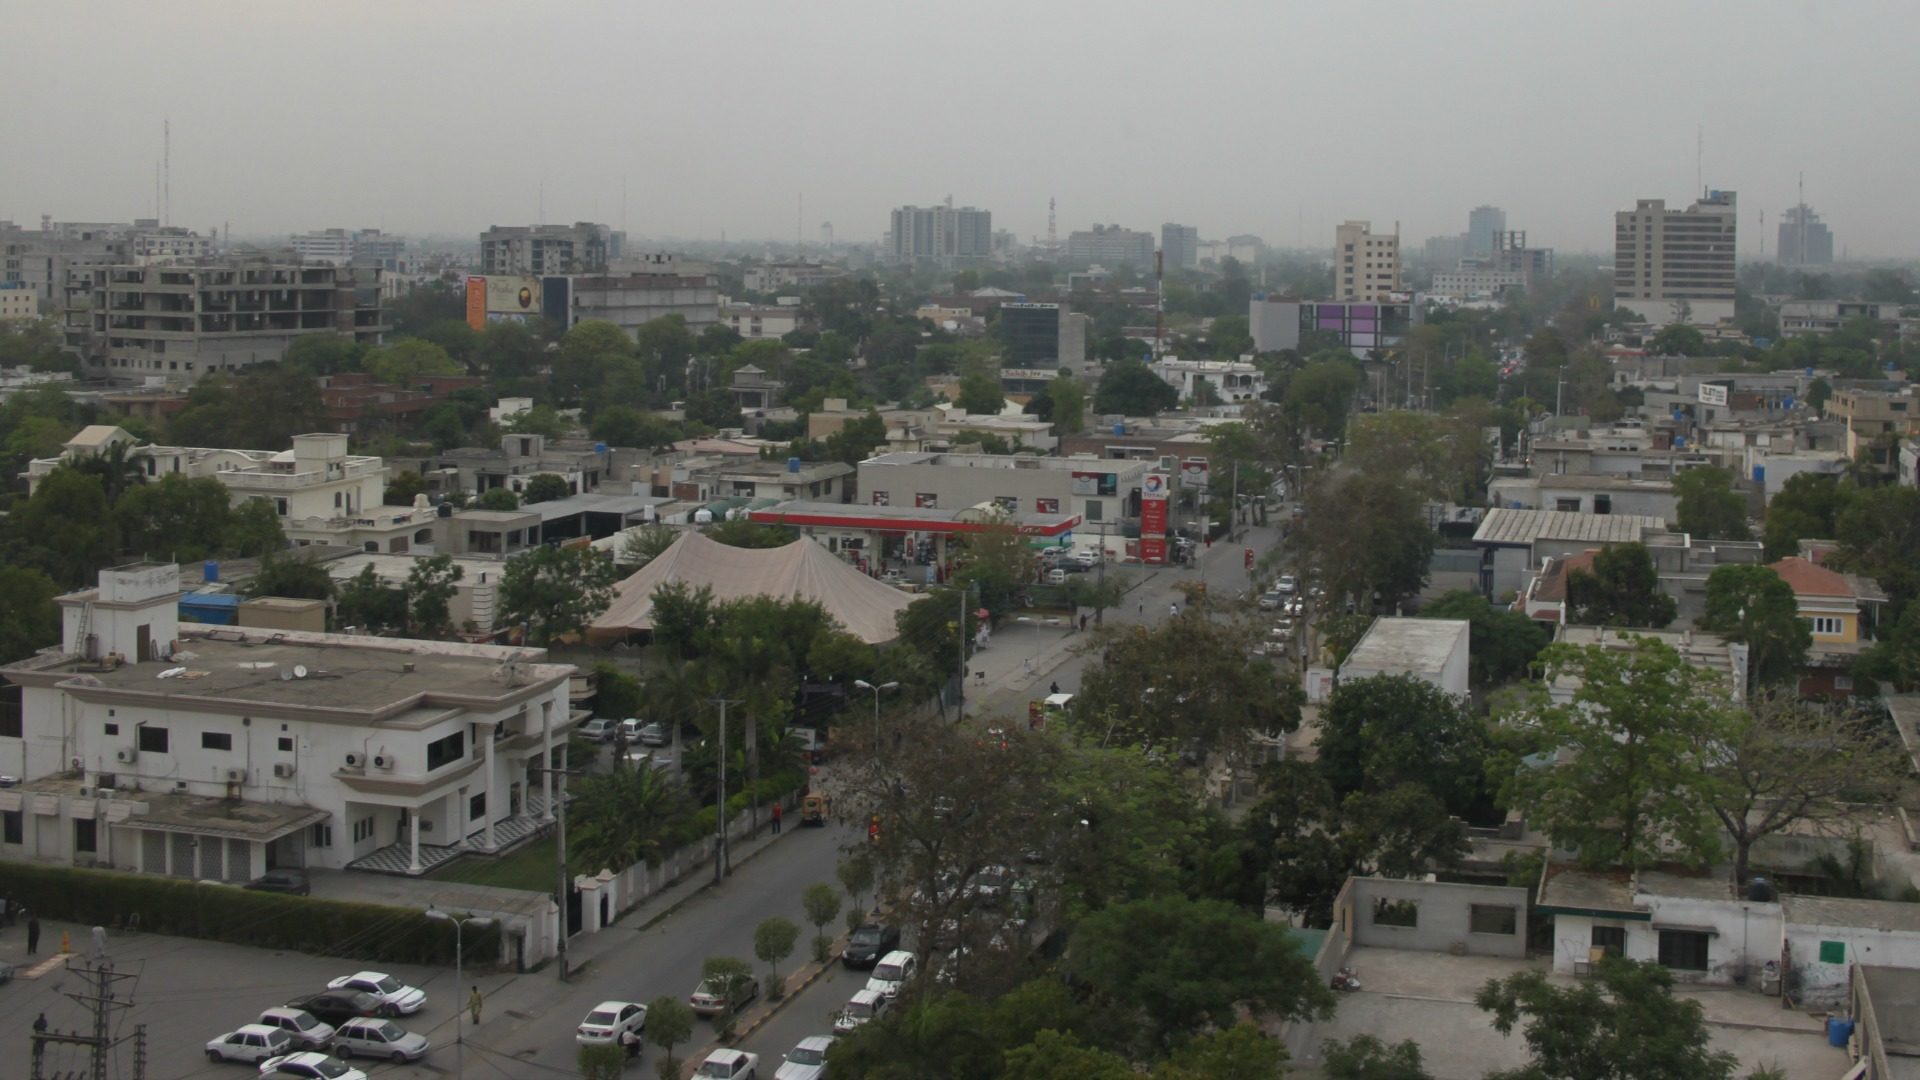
x: 623, y: 817
x: 117, y: 469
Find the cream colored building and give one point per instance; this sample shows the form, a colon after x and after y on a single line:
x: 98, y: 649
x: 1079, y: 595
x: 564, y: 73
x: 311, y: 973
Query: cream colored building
x: 1366, y: 264
x: 1676, y: 266
x: 17, y: 303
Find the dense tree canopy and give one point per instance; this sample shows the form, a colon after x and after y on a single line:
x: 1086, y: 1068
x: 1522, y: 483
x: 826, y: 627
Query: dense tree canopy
x: 1622, y: 590
x: 1709, y: 507
x: 1130, y: 388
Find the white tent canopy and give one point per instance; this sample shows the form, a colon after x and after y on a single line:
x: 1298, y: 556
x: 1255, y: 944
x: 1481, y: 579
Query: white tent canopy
x: 801, y: 570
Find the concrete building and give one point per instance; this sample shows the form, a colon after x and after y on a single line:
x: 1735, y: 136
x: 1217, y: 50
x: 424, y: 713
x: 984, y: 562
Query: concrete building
x: 351, y: 247
x: 1360, y: 327
x: 1587, y: 493
x: 918, y: 535
x: 1476, y: 283
x: 1484, y: 224
x: 1837, y: 609
x: 583, y: 464
x: 1799, y: 318
x: 1092, y: 489
x: 1876, y: 421
x: 1886, y: 1003
x: 18, y: 302
x: 1513, y: 255
x: 940, y: 234
x: 754, y: 321
x: 1237, y: 383
x: 1805, y: 240
x: 1513, y: 542
x: 581, y: 248
x: 1433, y: 651
x: 772, y: 277
x: 267, y: 749
x: 1180, y: 246
x: 1044, y: 336
x: 1673, y: 266
x: 1366, y: 264
x: 1110, y: 246
x: 184, y: 320
x: 630, y: 301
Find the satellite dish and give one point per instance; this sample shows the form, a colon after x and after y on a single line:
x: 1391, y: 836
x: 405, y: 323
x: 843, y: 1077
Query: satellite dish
x: 286, y: 676
x: 299, y: 671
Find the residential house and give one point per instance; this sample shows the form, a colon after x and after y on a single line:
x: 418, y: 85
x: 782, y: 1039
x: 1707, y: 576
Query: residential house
x: 1834, y: 606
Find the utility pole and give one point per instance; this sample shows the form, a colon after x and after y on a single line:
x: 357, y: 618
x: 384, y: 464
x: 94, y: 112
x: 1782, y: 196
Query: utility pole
x: 563, y: 887
x: 722, y: 856
x: 100, y: 1002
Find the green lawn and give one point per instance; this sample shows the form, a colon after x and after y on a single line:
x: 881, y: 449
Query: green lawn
x: 530, y: 867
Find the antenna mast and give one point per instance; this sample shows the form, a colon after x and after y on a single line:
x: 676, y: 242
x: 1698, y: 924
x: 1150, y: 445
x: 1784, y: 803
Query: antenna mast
x: 1053, y: 238
x: 166, y: 157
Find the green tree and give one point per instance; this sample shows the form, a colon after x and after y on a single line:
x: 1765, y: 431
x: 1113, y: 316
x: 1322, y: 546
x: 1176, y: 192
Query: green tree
x: 621, y: 425
x: 1678, y: 340
x: 33, y: 619
x: 1629, y: 782
x: 1625, y: 1024
x: 369, y: 604
x: 1364, y: 1057
x: 726, y: 974
x: 589, y: 354
x: 499, y: 499
x: 1068, y: 398
x: 1054, y: 1055
x: 1878, y: 531
x: 601, y: 1061
x: 545, y: 487
x: 539, y: 420
x: 855, y: 874
x: 980, y: 393
x: 429, y: 595
x: 1381, y: 732
x: 65, y: 528
x: 117, y: 466
x: 1709, y: 507
x: 260, y: 408
x: 293, y: 576
x: 1319, y: 397
x: 822, y: 905
x: 555, y: 591
x: 1502, y: 643
x: 646, y: 543
x: 623, y: 817
x: 998, y: 564
x: 1807, y: 506
x: 669, y: 1023
x: 174, y: 518
x: 1753, y: 605
x: 1365, y: 538
x: 507, y: 351
x: 773, y: 941
x: 407, y: 361
x: 1209, y: 960
x: 1130, y: 388
x: 1185, y: 683
x: 743, y: 533
x: 402, y: 486
x: 1242, y: 1051
x: 1622, y: 590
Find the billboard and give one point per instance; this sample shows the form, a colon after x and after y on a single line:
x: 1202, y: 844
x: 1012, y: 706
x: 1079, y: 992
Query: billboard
x: 1193, y: 472
x: 502, y: 298
x: 1153, y: 550
x: 1096, y: 483
x: 1713, y: 394
x: 1153, y: 518
x: 477, y: 302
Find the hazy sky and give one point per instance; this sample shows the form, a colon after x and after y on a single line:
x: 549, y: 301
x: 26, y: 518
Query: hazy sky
x: 1260, y: 117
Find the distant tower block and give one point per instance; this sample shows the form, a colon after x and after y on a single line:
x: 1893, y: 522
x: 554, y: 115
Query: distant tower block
x: 826, y: 235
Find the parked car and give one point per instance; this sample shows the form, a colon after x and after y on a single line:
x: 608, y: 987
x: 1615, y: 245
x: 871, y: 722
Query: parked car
x: 807, y: 1061
x: 1286, y: 584
x: 379, y: 1039
x: 1056, y: 576
x: 338, y: 1006
x: 653, y: 733
x: 250, y: 1042
x: 729, y: 1065
x: 1088, y: 558
x: 893, y: 972
x: 598, y: 729
x: 6, y: 972
x: 630, y: 728
x: 307, y: 1031
x: 710, y: 997
x: 385, y: 987
x: 289, y: 881
x: 308, y: 1065
x: 1271, y: 600
x: 869, y: 943
x: 865, y: 1007
x: 608, y: 1021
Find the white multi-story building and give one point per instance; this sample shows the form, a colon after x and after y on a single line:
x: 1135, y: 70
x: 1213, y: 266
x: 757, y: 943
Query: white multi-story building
x: 752, y: 321
x: 1475, y: 283
x: 1236, y: 382
x: 322, y: 494
x: 1094, y: 489
x: 940, y: 234
x: 217, y: 753
x: 1366, y: 264
x: 1672, y: 266
x: 772, y: 277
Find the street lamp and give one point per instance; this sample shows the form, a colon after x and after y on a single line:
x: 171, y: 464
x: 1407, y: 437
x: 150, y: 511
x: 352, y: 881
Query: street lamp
x: 459, y: 980
x: 865, y: 685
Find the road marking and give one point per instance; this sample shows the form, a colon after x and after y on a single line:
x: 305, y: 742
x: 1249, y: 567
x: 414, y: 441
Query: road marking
x: 43, y: 966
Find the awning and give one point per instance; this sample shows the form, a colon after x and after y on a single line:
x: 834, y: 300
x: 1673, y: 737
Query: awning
x: 1683, y: 928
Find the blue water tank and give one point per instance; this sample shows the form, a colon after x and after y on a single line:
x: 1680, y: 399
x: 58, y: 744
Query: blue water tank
x: 1809, y: 372
x: 1760, y: 475
x: 210, y: 572
x: 599, y: 448
x: 793, y: 464
x: 1119, y: 429
x: 1839, y: 1030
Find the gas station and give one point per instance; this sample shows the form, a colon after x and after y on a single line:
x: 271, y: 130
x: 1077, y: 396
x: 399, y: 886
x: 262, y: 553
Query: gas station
x: 874, y: 537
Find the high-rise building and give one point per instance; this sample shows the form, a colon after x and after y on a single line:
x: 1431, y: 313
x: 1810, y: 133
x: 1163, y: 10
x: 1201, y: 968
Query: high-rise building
x: 1110, y: 246
x: 1673, y: 266
x: 351, y: 247
x: 1805, y: 240
x: 1484, y: 225
x: 580, y: 248
x: 940, y: 234
x: 1366, y: 265
x: 1043, y: 336
x: 1180, y: 246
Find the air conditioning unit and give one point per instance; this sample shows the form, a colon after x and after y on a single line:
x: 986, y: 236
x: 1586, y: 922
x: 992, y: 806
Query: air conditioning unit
x: 236, y: 776
x: 382, y: 761
x: 283, y: 769
x: 126, y: 755
x: 356, y: 761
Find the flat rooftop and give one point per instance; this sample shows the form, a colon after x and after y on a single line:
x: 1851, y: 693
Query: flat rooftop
x: 1571, y: 889
x: 917, y: 518
x: 197, y: 814
x: 624, y: 505
x: 1078, y: 463
x: 233, y: 669
x: 1396, y: 643
x: 1895, y: 996
x: 1866, y: 914
x: 1527, y: 527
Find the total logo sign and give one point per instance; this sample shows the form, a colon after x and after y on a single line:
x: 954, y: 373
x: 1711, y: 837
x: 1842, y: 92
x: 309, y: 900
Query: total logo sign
x: 1154, y: 486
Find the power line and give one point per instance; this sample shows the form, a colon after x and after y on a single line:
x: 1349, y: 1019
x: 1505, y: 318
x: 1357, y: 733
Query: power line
x: 101, y: 1002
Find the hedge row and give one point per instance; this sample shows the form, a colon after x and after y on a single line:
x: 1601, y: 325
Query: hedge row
x: 186, y: 908
x: 765, y: 790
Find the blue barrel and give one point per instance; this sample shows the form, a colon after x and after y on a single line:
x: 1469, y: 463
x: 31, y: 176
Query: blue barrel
x: 210, y: 572
x: 1839, y: 1030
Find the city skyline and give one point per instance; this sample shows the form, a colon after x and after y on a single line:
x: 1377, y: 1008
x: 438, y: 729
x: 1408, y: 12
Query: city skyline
x: 827, y: 148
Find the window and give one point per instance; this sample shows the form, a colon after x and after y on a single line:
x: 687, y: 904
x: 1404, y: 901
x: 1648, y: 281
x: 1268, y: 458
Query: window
x: 1569, y: 506
x: 216, y: 740
x: 446, y: 751
x: 13, y: 826
x: 477, y: 807
x: 1094, y: 510
x: 1843, y: 682
x: 1493, y: 919
x: 11, y: 726
x: 1825, y: 624
x: 113, y: 729
x: 363, y: 829
x: 84, y: 836
x: 286, y: 745
x: 1613, y: 939
x: 1395, y: 912
x: 1833, y: 952
x: 1683, y: 950
x: 1603, y: 504
x: 152, y: 740
x: 320, y: 835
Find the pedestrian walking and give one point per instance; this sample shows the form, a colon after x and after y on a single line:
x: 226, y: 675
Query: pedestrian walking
x: 1027, y: 663
x: 33, y: 934
x: 473, y: 1006
x: 40, y: 1022
x: 1055, y: 688
x: 1207, y: 539
x: 1173, y: 611
x: 1083, y: 622
x: 776, y: 818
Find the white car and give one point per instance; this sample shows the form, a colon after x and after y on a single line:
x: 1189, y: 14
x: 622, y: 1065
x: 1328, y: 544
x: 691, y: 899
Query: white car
x: 608, y: 1021
x: 630, y: 728
x: 1286, y: 585
x: 307, y: 1031
x: 892, y: 973
x: 808, y: 1061
x: 385, y: 987
x: 865, y: 1007
x: 1087, y: 557
x: 597, y: 729
x: 308, y: 1065
x: 729, y: 1065
x: 1271, y: 600
x: 373, y: 1037
x: 251, y: 1042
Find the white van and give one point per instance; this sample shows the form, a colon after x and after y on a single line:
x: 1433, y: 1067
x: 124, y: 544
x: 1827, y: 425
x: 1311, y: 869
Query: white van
x: 892, y: 973
x: 865, y: 1006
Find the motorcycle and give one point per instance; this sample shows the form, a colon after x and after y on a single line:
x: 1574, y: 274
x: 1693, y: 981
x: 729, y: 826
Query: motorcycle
x: 1345, y: 980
